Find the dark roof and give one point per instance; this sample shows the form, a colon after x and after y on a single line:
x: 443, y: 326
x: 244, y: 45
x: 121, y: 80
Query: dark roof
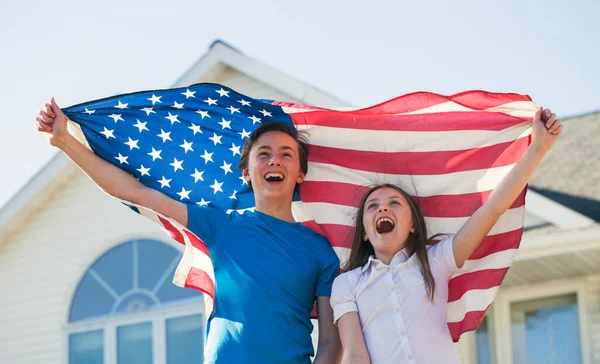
x: 570, y: 172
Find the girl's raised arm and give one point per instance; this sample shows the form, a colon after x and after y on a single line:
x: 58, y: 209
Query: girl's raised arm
x: 546, y: 129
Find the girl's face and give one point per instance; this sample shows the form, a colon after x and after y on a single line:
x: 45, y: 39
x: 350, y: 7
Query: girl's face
x: 387, y: 220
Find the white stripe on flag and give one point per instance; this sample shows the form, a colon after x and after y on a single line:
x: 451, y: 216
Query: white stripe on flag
x: 456, y: 183
x: 390, y: 141
x: 499, y: 260
x: 472, y: 300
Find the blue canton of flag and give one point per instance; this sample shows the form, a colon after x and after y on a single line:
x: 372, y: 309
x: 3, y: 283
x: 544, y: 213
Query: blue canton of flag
x: 184, y: 142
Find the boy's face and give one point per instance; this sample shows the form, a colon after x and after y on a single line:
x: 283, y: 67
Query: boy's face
x: 274, y: 166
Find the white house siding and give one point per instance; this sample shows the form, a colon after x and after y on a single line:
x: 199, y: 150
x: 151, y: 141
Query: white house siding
x: 593, y: 309
x: 41, y: 264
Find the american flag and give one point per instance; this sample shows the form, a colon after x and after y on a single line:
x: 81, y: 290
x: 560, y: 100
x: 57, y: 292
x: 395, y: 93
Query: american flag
x: 449, y: 152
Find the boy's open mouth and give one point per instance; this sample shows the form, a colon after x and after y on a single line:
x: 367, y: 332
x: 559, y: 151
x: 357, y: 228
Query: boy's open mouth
x: 384, y: 225
x: 274, y: 177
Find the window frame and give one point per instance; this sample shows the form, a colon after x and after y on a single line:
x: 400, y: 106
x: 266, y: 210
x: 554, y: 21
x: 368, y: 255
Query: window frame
x: 158, y: 317
x: 108, y: 324
x: 502, y: 344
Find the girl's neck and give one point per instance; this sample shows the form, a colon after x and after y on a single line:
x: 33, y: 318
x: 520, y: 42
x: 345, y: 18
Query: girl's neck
x: 386, y: 257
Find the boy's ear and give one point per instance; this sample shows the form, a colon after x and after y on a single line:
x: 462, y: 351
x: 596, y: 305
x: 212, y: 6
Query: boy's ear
x: 246, y: 175
x: 300, y: 178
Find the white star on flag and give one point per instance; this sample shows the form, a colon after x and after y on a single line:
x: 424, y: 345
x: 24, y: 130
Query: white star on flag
x: 222, y: 92
x: 207, y: 157
x: 164, y: 182
x: 141, y: 126
x: 187, y: 146
x: 233, y: 110
x: 116, y: 117
x: 244, y: 134
x: 155, y: 154
x: 176, y: 164
x: 197, y: 175
x: 132, y: 144
x: 224, y: 124
x: 122, y: 159
x: 121, y: 105
x: 172, y: 118
x: 144, y: 171
x: 235, y: 149
x: 203, y: 114
x: 216, y: 138
x: 217, y: 187
x: 188, y: 93
x: 265, y: 113
x: 165, y: 135
x: 226, y: 167
x: 195, y: 128
x: 210, y: 101
x: 184, y: 194
x: 155, y: 99
x: 148, y: 111
x: 108, y: 133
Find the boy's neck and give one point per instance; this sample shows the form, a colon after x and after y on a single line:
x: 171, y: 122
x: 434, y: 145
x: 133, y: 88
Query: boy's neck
x: 280, y: 208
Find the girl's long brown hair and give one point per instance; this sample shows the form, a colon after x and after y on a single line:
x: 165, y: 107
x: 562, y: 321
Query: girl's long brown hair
x: 415, y: 243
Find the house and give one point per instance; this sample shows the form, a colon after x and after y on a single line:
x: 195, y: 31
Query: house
x: 91, y: 282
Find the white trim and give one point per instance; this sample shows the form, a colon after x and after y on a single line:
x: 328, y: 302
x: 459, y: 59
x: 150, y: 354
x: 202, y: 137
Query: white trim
x: 555, y: 213
x: 506, y: 296
x: 559, y: 242
x: 221, y: 53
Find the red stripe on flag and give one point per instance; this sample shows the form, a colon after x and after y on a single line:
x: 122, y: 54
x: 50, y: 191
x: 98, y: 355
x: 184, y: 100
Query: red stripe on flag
x: 497, y: 243
x: 338, y: 235
x: 482, y: 279
x: 436, y: 122
x: 173, y: 231
x: 200, y: 280
x: 197, y: 243
x: 312, y: 224
x: 469, y: 323
x: 422, y: 163
x: 477, y: 100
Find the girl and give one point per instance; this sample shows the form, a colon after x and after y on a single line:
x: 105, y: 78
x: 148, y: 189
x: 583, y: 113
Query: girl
x: 390, y: 305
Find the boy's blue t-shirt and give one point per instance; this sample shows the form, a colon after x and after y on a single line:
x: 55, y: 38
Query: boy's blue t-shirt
x: 267, y: 275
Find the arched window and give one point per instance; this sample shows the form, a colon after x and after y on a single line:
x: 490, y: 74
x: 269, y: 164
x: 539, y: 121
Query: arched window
x: 126, y: 310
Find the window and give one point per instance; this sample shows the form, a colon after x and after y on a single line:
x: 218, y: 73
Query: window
x: 126, y: 310
x: 546, y: 330
x: 483, y: 342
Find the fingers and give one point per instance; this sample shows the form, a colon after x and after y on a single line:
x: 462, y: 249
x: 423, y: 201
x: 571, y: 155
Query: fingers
x: 538, y: 114
x: 551, y: 121
x: 44, y: 117
x: 556, y: 128
x: 55, y: 108
x: 42, y: 126
x: 49, y: 111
